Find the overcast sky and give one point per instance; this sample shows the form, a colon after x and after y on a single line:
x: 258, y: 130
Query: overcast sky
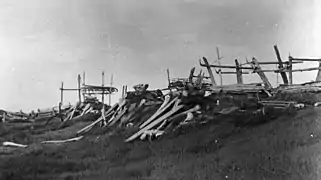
x: 45, y: 42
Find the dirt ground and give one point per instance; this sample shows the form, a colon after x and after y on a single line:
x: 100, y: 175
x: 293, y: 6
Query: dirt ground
x: 285, y: 147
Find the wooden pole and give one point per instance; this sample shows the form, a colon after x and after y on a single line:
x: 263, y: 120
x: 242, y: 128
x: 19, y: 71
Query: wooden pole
x: 283, y: 74
x: 79, y: 90
x: 83, y: 83
x: 238, y: 73
x: 111, y: 85
x: 259, y: 71
x: 62, y: 93
x: 219, y: 63
x: 191, y: 75
x: 168, y: 77
x: 210, y: 72
x: 277, y: 77
x: 103, y: 84
x: 122, y: 91
x: 290, y: 71
x: 61, y: 97
x: 103, y: 97
x: 83, y: 78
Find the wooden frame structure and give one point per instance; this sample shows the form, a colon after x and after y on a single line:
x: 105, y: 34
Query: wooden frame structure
x: 86, y: 89
x: 282, y: 68
x: 289, y: 67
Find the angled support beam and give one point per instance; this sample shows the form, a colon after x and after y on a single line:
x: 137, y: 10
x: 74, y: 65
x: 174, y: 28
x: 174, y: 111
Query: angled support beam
x: 210, y: 72
x: 255, y: 65
x: 283, y: 74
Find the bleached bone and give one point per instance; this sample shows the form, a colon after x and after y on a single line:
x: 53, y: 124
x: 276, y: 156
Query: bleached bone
x: 120, y: 107
x: 84, y: 110
x: 73, y: 112
x: 89, y: 110
x: 142, y: 102
x: 194, y: 109
x: 6, y: 143
x: 163, y: 107
x: 118, y: 117
x: 154, y: 123
x: 166, y: 100
x: 317, y: 104
x: 95, y: 122
x: 299, y: 106
x: 62, y: 141
x: 150, y: 133
x: 189, y: 117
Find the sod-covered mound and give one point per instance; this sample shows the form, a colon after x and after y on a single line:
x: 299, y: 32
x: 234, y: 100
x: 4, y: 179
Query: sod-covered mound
x: 299, y: 97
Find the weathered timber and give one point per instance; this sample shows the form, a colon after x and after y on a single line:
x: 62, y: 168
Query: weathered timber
x: 256, y: 67
x: 191, y: 75
x: 210, y: 72
x: 238, y: 73
x: 304, y: 59
x: 219, y: 63
x: 283, y: 74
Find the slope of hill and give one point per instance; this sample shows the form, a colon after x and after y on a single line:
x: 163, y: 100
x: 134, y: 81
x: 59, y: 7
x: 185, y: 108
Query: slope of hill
x: 285, y: 147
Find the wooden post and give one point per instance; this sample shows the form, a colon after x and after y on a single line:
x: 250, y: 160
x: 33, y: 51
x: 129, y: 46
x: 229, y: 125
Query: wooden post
x: 290, y: 71
x: 83, y: 78
x: 83, y: 83
x: 61, y: 97
x: 103, y: 97
x: 219, y: 63
x: 62, y: 93
x: 238, y: 73
x: 191, y: 75
x: 103, y: 84
x: 122, y: 92
x: 210, y: 72
x: 168, y: 79
x: 258, y: 70
x: 283, y: 74
x: 111, y: 84
x: 79, y: 88
x: 277, y: 77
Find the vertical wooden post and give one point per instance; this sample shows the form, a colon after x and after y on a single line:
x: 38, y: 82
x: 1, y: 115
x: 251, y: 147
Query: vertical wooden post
x: 103, y: 84
x: 191, y: 75
x: 103, y: 98
x: 111, y: 84
x: 61, y: 96
x: 238, y: 73
x: 62, y: 93
x: 83, y: 78
x: 168, y: 80
x: 83, y: 84
x: 219, y: 63
x: 290, y: 71
x: 277, y: 77
x: 79, y: 88
x: 123, y: 91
